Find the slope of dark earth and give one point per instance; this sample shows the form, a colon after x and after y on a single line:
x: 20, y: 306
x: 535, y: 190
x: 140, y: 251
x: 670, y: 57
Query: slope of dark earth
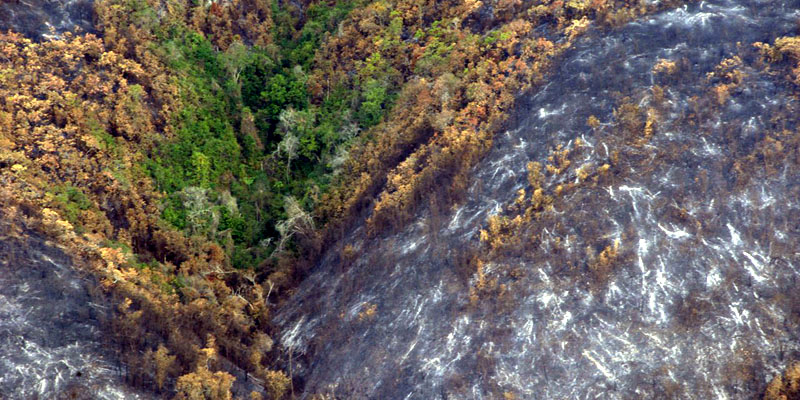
x: 51, y: 341
x: 690, y: 312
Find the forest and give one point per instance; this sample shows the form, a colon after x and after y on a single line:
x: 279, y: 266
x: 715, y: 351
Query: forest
x: 198, y: 157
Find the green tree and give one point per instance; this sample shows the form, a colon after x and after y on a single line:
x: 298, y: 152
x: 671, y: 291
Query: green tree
x: 201, y: 168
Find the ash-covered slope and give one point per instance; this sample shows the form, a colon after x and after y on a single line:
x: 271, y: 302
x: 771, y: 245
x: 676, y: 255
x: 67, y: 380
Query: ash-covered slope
x: 703, y: 304
x: 40, y: 19
x: 51, y: 345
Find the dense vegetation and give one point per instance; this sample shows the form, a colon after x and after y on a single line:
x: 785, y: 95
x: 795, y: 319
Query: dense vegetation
x: 247, y: 147
x: 199, y: 155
